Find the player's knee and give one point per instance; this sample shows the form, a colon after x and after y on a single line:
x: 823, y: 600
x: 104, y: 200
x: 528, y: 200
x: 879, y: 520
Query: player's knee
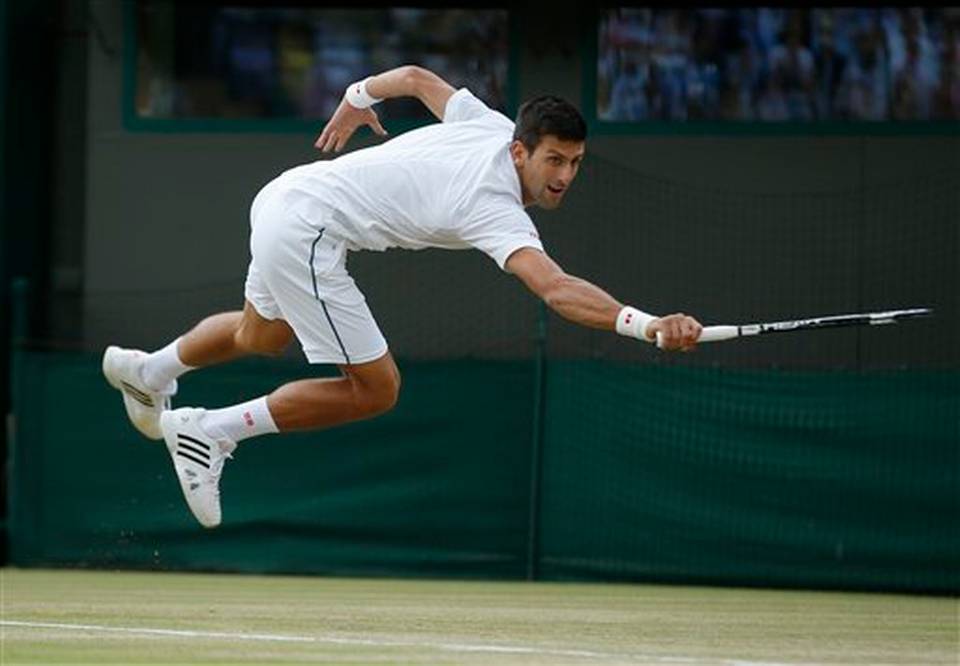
x: 387, y: 395
x: 381, y: 397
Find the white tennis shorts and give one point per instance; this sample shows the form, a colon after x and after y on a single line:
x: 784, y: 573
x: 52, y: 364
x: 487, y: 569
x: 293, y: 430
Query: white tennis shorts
x: 298, y: 273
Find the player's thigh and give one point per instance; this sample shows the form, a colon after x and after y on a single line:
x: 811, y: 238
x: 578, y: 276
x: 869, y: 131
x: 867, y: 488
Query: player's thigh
x: 262, y: 328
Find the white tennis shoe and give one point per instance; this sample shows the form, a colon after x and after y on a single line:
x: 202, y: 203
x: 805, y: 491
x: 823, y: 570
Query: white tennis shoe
x: 198, y: 460
x: 122, y: 368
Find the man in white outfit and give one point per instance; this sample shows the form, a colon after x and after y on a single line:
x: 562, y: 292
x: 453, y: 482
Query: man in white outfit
x: 459, y: 184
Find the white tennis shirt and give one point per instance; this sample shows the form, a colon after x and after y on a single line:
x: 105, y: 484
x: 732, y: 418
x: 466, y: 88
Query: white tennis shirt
x: 449, y: 185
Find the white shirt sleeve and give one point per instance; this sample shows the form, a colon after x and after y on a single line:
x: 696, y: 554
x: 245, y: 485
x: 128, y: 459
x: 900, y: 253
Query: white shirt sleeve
x: 463, y: 105
x: 501, y: 231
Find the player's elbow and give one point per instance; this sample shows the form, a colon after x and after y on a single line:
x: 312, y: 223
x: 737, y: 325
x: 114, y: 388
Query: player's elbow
x: 414, y: 79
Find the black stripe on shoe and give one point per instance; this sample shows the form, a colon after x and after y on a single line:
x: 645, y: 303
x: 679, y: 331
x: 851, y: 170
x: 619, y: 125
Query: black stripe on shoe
x: 194, y: 440
x: 138, y: 395
x: 193, y: 449
x: 186, y: 455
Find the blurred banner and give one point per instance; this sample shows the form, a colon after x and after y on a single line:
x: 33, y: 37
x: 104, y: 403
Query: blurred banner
x: 272, y: 62
x: 779, y: 64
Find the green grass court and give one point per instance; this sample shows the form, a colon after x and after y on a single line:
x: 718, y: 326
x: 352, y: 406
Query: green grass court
x: 59, y: 617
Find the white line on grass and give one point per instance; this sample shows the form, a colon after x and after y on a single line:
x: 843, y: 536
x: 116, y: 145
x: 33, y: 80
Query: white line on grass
x: 456, y: 647
x: 280, y: 638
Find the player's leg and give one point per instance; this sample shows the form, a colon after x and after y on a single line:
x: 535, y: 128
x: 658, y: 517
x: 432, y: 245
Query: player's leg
x: 303, y: 270
x: 229, y: 335
x: 226, y: 336
x: 148, y: 381
x: 201, y: 440
x: 338, y: 328
x: 363, y: 391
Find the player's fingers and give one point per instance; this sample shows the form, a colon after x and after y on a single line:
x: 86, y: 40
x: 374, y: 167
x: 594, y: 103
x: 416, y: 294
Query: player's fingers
x: 331, y: 142
x: 320, y: 139
x: 324, y: 138
x: 676, y: 334
x: 681, y: 330
x: 692, y: 329
x: 690, y: 338
x: 377, y: 127
x: 340, y: 143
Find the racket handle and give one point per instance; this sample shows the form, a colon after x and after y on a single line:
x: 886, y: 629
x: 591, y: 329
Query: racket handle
x: 711, y: 334
x: 717, y: 333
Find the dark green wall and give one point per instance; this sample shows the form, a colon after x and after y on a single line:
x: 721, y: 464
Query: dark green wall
x: 823, y: 480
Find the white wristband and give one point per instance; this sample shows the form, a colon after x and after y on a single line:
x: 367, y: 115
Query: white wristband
x: 358, y: 97
x: 633, y: 323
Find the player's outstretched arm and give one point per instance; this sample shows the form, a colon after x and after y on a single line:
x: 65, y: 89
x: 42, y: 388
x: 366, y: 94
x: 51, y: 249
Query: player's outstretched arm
x: 356, y: 107
x: 584, y: 303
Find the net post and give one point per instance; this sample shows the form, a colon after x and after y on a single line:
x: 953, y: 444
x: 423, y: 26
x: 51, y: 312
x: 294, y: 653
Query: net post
x: 536, y: 449
x: 19, y: 306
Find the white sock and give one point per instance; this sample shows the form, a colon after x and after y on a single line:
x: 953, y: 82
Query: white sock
x: 248, y: 419
x: 162, y: 367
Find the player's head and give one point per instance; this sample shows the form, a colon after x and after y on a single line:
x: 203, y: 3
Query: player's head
x: 548, y: 145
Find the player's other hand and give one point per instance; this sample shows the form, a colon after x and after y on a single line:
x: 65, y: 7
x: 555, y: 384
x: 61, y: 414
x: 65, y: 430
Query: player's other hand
x: 676, y: 332
x: 345, y: 121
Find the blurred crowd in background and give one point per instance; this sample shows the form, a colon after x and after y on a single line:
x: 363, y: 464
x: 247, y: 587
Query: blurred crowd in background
x: 779, y: 64
x: 205, y: 61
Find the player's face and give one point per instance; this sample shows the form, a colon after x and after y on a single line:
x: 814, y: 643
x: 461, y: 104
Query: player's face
x: 547, y: 172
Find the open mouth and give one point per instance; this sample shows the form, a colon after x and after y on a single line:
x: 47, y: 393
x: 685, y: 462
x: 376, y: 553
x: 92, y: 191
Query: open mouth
x: 555, y: 190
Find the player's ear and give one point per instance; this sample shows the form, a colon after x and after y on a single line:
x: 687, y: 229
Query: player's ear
x: 518, y: 152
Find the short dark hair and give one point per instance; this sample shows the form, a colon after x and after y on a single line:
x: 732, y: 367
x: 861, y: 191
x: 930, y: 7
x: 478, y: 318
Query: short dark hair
x: 551, y: 115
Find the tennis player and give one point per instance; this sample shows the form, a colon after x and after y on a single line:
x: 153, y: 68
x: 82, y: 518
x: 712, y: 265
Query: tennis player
x: 462, y: 183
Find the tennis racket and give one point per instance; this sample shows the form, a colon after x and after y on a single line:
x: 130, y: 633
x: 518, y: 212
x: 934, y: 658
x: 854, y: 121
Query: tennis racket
x: 717, y: 333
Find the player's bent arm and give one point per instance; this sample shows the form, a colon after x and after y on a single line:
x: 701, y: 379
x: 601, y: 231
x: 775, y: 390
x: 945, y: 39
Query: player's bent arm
x: 585, y: 303
x: 355, y: 108
x: 412, y: 81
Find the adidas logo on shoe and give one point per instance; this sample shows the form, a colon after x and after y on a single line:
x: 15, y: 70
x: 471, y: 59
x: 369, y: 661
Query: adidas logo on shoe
x: 198, y: 460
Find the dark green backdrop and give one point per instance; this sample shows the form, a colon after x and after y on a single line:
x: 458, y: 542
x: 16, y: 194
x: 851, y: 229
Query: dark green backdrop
x: 639, y: 473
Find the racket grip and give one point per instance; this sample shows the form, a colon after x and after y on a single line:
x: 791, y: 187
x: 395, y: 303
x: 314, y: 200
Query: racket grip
x: 717, y: 333
x: 711, y: 334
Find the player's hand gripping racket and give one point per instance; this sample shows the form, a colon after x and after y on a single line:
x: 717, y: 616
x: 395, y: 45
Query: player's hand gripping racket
x: 717, y: 333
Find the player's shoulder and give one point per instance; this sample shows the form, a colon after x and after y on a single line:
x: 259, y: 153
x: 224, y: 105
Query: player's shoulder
x: 463, y: 105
